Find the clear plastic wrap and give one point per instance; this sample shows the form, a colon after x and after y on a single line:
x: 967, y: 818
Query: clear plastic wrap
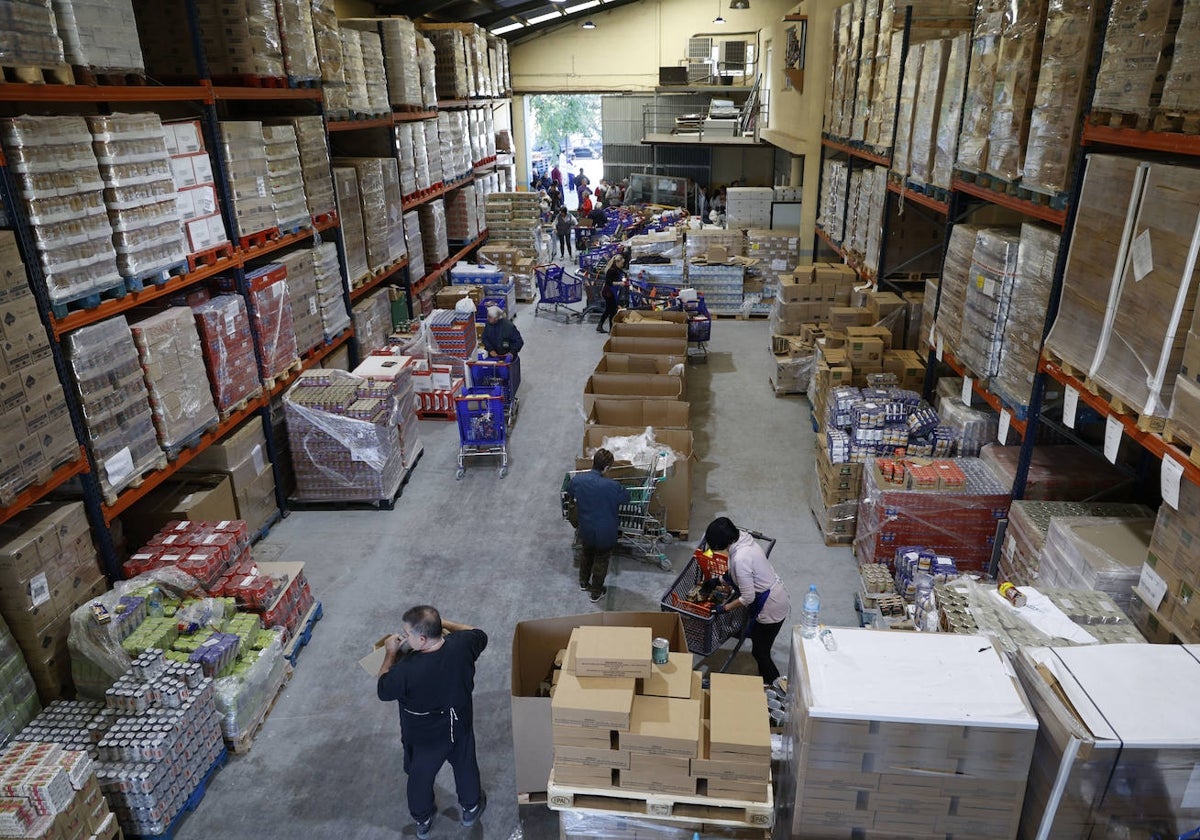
x: 30, y: 37
x: 973, y: 428
x: 249, y: 175
x: 433, y: 232
x: 1102, y: 224
x: 343, y: 437
x: 394, y: 203
x: 18, y: 697
x: 287, y: 178
x: 981, y: 83
x: 374, y: 74
x: 598, y: 825
x: 1020, y: 347
x: 373, y: 209
x: 1096, y: 552
x: 406, y: 155
x: 451, y: 68
x: 1136, y: 56
x: 462, y: 217
x: 1015, y: 86
x: 1028, y: 522
x: 416, y: 250
x: 958, y: 522
x: 990, y: 285
x: 227, y: 343
x: 433, y: 151
x: 1054, y: 123
x: 1141, y: 349
x: 180, y: 399
x: 936, y: 82
x: 97, y: 656
x: 834, y: 188
x: 328, y: 39
x: 100, y: 34
x: 955, y: 277
x: 793, y: 374
x: 305, y: 299
x: 906, y: 115
x: 242, y: 699
x: 314, y: 162
x: 350, y: 214
x: 242, y: 37
x: 354, y: 71
x: 271, y: 322
x: 427, y: 61
x: 330, y: 289
x: 372, y: 318
x: 1058, y: 473
x: 296, y: 34
x: 115, y: 403
x: 1180, y: 94
x: 949, y: 117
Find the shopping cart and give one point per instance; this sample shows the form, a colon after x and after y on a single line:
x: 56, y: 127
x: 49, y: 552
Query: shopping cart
x: 557, y: 288
x: 705, y: 630
x: 699, y: 325
x: 482, y: 427
x: 641, y: 524
x: 648, y: 295
x: 505, y: 373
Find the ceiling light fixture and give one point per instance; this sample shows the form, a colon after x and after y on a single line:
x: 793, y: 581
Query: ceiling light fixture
x: 718, y: 18
x: 587, y: 24
x: 740, y: 5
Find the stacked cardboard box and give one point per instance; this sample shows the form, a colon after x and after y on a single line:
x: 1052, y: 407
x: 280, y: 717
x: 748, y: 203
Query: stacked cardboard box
x: 949, y: 118
x: 403, y: 72
x: 749, y: 207
x: 378, y: 182
x: 298, y: 40
x: 942, y: 66
x: 57, y: 176
x: 959, y: 522
x: 512, y: 218
x: 249, y: 176
x: 1028, y: 524
x: 433, y: 151
x: 228, y: 346
x: 1136, y: 57
x: 809, y: 293
x: 374, y: 76
x: 350, y: 214
x: 305, y: 298
x: 427, y: 59
x: 48, y: 567
x: 328, y: 37
x: 414, y: 244
x: 1100, y: 735
x: 18, y: 699
x: 271, y: 319
x: 34, y: 40
x: 286, y: 178
x: 1179, y: 94
x: 452, y: 71
x: 36, y: 435
x: 372, y: 317
x: 989, y: 293
x: 1067, y: 51
x: 1017, y: 64
x: 139, y: 193
x: 436, y: 249
x: 453, y: 142
x: 1171, y: 582
x: 517, y: 263
x: 834, y: 499
x: 398, y: 371
x: 866, y: 763
x: 344, y: 443
x: 180, y: 399
x: 354, y: 71
x: 314, y: 164
x: 195, y: 186
x: 242, y: 455
x: 1104, y: 553
x: 981, y: 85
x: 54, y: 793
x: 462, y: 216
x: 330, y: 289
x: 240, y: 37
x: 100, y: 35
x: 116, y: 409
x: 954, y: 281
x: 1184, y: 420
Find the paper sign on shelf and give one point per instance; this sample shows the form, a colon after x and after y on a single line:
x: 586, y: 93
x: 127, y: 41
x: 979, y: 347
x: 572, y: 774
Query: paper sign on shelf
x: 967, y: 391
x: 1151, y: 586
x: 1005, y: 422
x: 1113, y: 431
x: 1070, y: 406
x: 1143, y: 257
x: 119, y: 467
x: 941, y: 348
x: 1172, y: 474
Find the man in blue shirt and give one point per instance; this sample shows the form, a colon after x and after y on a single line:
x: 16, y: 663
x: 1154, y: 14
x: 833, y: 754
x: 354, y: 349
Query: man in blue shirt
x: 597, y: 499
x: 430, y: 671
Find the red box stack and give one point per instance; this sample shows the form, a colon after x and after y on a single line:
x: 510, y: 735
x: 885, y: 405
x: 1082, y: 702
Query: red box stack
x: 204, y: 550
x: 228, y: 346
x: 271, y: 318
x: 291, y: 608
x: 956, y: 520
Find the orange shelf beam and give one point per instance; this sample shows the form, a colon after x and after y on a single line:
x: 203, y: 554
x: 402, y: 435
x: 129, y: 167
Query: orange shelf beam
x: 437, y: 192
x: 424, y: 283
x: 988, y: 397
x: 1150, y: 441
x: 105, y: 93
x: 357, y: 125
x: 36, y: 493
x: 312, y: 359
x: 1020, y: 205
x: 854, y: 151
x: 229, y: 93
x: 915, y: 197
x: 375, y: 282
x: 286, y: 241
x: 1151, y: 141
x: 413, y: 116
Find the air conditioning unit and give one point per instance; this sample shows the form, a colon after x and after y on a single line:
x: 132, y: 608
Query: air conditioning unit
x: 700, y: 57
x: 734, y: 56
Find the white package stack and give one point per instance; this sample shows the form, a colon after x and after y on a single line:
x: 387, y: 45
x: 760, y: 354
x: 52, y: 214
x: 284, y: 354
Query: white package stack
x: 249, y: 175
x: 99, y: 34
x: 433, y: 148
x: 406, y: 156
x: 305, y: 298
x: 314, y: 162
x: 330, y: 289
x: 298, y: 40
x: 416, y: 251
x: 355, y: 74
x: 287, y: 178
x: 748, y: 207
x: 1104, y: 553
x: 433, y: 233
x: 427, y: 60
x: 181, y: 401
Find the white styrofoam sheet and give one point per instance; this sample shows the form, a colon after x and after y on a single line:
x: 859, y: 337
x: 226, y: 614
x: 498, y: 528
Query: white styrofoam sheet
x: 1136, y: 692
x: 936, y: 678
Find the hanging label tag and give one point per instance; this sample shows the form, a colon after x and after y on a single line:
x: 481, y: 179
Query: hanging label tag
x: 1113, y: 431
x: 1151, y: 586
x: 1005, y: 422
x: 967, y: 391
x: 39, y: 589
x: 119, y: 467
x: 1172, y: 474
x: 941, y: 348
x: 1070, y: 406
x: 1143, y: 257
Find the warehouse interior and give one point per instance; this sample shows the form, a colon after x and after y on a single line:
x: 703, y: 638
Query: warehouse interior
x: 312, y: 311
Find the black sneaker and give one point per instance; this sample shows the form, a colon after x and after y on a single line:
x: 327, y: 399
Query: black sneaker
x: 601, y: 330
x: 597, y: 596
x: 583, y: 587
x: 470, y: 815
x: 424, y: 829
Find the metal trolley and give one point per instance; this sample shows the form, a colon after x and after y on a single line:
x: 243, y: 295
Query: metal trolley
x: 642, y: 528
x: 699, y: 325
x: 482, y: 426
x: 557, y: 288
x: 504, y: 373
x: 705, y: 630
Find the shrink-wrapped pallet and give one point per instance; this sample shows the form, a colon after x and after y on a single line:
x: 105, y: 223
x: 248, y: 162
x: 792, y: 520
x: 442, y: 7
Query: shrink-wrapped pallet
x: 180, y: 401
x: 1029, y: 521
x: 1022, y: 341
x: 433, y: 151
x: 990, y: 290
x: 31, y: 37
x: 1096, y: 552
x: 328, y: 39
x: 372, y: 317
x: 1136, y: 56
x: 100, y: 35
x: 304, y: 297
x: 427, y: 60
x: 314, y: 163
x: 1181, y: 93
x: 905, y: 116
x: 297, y: 36
x: 949, y: 119
x: 927, y: 109
x: 271, y: 320
x: 1015, y: 86
x: 373, y: 208
x: 450, y: 63
x: 248, y: 176
x: 955, y: 276
x: 240, y: 37
x: 223, y: 324
x: 355, y: 72
x: 330, y: 289
x: 403, y: 69
x: 981, y: 82
x: 416, y: 250
x: 287, y: 178
x: 433, y: 233
x: 345, y: 184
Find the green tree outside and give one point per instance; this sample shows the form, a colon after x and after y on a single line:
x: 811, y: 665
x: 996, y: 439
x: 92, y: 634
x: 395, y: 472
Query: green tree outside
x: 557, y: 117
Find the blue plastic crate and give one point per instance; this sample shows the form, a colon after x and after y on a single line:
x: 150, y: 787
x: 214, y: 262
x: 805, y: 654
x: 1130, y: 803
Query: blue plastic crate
x: 480, y: 414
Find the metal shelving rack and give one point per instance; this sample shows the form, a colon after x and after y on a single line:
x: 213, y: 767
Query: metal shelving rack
x: 211, y: 101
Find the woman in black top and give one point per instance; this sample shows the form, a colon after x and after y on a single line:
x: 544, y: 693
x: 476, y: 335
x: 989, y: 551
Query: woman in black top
x: 614, y: 276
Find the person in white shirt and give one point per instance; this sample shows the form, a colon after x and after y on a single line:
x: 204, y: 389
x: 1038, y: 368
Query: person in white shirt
x: 762, y: 592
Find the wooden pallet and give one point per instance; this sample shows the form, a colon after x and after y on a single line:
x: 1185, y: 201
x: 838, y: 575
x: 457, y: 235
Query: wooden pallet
x: 1178, y: 436
x: 91, y: 300
x: 110, y: 498
x: 1067, y: 367
x: 242, y: 744
x: 295, y: 82
x: 114, y: 78
x: 158, y: 277
x: 189, y: 442
x: 1145, y: 422
x: 240, y: 405
x: 1117, y: 119
x: 52, y: 75
x: 190, y: 804
x: 210, y: 256
x: 1177, y: 122
x: 293, y: 368
x: 412, y: 109
x: 250, y: 80
x: 303, y: 635
x: 259, y: 239
x: 662, y: 806
x: 435, y: 414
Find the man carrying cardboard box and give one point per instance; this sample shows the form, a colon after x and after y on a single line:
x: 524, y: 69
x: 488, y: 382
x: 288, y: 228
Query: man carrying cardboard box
x: 430, y: 672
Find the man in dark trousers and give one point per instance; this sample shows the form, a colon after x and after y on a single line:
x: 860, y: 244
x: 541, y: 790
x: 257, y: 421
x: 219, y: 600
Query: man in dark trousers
x: 430, y: 671
x: 597, y: 499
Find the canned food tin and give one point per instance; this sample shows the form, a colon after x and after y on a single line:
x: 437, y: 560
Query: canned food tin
x: 661, y: 650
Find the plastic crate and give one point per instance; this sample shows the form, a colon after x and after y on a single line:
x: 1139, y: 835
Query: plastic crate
x: 704, y: 633
x: 480, y: 414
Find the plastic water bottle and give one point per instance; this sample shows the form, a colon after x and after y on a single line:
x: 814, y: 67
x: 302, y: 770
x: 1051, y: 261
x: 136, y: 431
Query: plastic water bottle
x: 812, y: 607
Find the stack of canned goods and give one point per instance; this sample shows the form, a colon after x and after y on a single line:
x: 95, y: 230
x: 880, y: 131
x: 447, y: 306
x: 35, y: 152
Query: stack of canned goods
x: 153, y: 739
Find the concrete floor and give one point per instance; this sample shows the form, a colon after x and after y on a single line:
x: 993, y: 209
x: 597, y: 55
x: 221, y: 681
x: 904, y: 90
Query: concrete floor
x: 491, y: 553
